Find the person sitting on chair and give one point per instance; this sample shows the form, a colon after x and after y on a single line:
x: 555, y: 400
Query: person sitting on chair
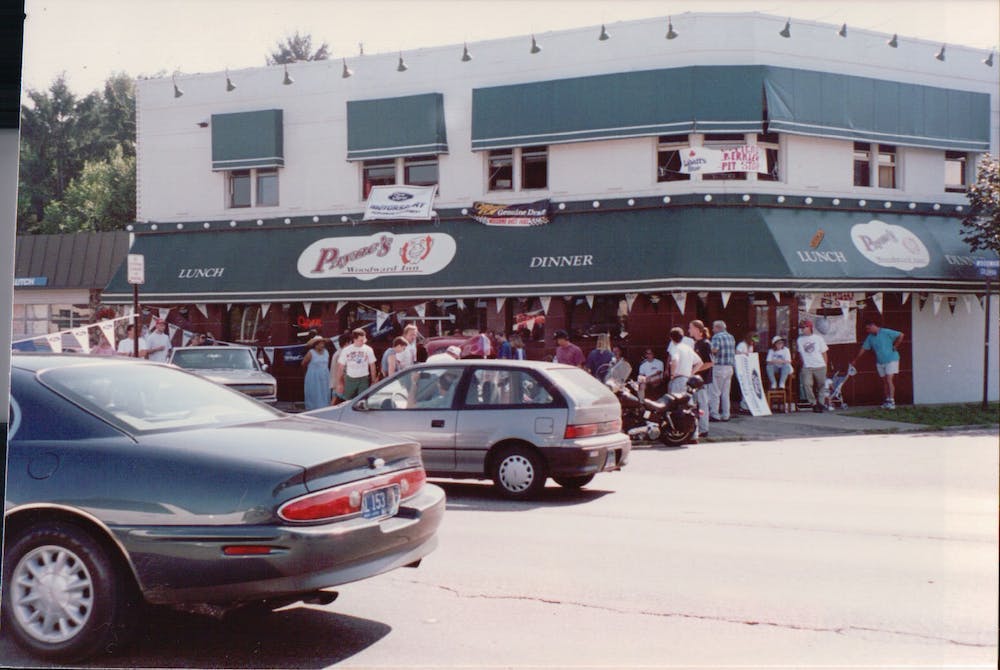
x: 779, y: 362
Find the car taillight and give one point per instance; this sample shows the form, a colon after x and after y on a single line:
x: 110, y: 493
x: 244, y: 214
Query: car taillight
x: 574, y: 431
x: 345, y: 500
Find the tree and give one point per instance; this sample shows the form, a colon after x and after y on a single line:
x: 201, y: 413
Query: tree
x: 981, y: 226
x: 295, y: 48
x: 101, y: 198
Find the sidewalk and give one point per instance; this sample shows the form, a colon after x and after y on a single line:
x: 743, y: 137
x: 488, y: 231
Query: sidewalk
x: 803, y: 424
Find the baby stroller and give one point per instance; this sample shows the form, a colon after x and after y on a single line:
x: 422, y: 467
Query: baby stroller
x: 835, y: 390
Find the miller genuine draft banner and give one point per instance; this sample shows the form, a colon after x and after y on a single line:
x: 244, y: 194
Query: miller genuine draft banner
x: 522, y: 214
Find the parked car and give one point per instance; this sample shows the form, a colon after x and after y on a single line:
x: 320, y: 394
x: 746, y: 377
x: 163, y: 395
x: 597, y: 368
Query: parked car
x: 132, y: 482
x: 515, y: 422
x: 236, y: 367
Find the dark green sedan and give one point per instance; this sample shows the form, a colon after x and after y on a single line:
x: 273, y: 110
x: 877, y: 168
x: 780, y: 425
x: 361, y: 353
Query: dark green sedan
x: 132, y: 483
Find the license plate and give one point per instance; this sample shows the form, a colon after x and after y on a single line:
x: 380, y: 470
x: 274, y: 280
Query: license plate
x: 609, y: 460
x: 380, y: 503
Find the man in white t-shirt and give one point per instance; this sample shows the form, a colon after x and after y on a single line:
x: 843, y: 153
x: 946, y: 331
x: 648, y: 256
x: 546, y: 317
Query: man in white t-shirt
x: 158, y: 342
x: 412, y: 335
x: 683, y: 362
x: 127, y: 346
x: 356, y: 366
x: 650, y: 372
x: 812, y: 348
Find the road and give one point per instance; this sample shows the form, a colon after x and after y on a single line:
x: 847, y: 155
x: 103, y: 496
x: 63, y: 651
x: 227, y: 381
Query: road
x: 864, y: 551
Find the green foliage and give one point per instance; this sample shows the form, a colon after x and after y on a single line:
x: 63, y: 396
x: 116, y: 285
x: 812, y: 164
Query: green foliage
x: 295, y: 48
x: 981, y: 226
x: 938, y: 416
x: 101, y: 198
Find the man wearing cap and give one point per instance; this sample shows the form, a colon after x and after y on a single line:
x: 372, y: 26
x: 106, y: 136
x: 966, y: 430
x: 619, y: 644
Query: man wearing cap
x: 812, y: 348
x: 885, y: 343
x: 568, y: 353
x: 452, y: 353
x: 158, y: 342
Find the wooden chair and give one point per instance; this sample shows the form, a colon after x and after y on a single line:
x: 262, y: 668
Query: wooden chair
x: 784, y: 400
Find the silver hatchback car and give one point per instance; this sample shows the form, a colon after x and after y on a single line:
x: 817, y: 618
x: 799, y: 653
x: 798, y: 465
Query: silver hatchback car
x: 515, y: 422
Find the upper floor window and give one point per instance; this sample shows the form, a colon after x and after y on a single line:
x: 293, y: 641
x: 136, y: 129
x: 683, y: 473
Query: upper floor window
x: 420, y: 170
x: 255, y: 187
x: 886, y: 166
x: 534, y: 167
x: 668, y: 158
x: 955, y: 166
x: 721, y: 141
x: 769, y: 142
x: 377, y: 173
x: 874, y: 164
x: 501, y: 170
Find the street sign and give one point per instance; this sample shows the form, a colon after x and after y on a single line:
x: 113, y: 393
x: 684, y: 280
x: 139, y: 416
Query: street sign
x: 136, y: 269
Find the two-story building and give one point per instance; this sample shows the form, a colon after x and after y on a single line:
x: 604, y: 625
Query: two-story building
x: 845, y: 156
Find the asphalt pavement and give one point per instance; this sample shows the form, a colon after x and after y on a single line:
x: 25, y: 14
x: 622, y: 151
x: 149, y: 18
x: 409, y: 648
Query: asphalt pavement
x: 741, y: 428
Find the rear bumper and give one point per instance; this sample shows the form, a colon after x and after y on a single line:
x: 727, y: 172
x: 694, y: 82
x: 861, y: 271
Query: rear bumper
x: 588, y: 456
x: 186, y: 565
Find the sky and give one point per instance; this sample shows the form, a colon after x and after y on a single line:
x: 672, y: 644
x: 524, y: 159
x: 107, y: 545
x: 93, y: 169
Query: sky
x: 89, y: 40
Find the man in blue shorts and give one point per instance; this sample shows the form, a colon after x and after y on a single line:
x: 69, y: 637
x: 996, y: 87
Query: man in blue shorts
x: 885, y: 343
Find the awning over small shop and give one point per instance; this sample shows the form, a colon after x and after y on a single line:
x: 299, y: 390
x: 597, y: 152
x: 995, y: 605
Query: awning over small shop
x: 835, y: 105
x: 655, y: 249
x: 391, y: 127
x: 247, y: 140
x: 704, y: 99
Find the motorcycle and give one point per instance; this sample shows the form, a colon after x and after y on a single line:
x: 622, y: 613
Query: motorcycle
x: 673, y: 419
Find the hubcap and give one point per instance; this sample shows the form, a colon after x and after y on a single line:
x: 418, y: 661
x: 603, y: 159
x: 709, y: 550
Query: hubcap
x: 516, y: 473
x: 53, y: 594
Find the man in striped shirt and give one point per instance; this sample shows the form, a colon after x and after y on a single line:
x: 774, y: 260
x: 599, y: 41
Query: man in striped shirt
x: 724, y: 353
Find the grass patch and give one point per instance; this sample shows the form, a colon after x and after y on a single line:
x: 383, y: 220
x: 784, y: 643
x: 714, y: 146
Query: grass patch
x: 940, y: 416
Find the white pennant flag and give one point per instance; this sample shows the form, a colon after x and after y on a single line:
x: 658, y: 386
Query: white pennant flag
x: 380, y: 318
x: 171, y: 329
x: 201, y: 307
x: 622, y: 309
x: 108, y: 328
x: 186, y: 336
x: 845, y: 307
x: 680, y: 297
x: 460, y: 303
x: 307, y: 306
x: 937, y: 302
x: 777, y: 296
x: 229, y: 306
x: 81, y: 336
x: 264, y: 307
x: 906, y: 296
x: 725, y: 298
x: 810, y: 300
x: 500, y: 303
x: 545, y: 300
x: 590, y: 301
x: 55, y: 342
x: 630, y: 299
x: 877, y: 299
x: 420, y: 309
x: 967, y: 299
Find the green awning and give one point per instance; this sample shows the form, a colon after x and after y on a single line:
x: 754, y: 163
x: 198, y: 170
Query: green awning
x: 390, y: 127
x: 657, y: 249
x: 873, y: 110
x: 704, y: 99
x: 247, y: 140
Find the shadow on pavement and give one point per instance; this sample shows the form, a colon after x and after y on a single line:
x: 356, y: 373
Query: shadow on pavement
x: 299, y: 637
x: 480, y: 495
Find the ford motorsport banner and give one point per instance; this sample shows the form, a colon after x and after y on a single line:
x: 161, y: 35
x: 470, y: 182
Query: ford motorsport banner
x: 746, y: 158
x: 747, y: 369
x: 522, y: 214
x: 400, y: 202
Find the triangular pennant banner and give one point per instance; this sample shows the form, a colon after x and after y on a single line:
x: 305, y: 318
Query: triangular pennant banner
x: 952, y: 302
x: 680, y: 297
x: 937, y: 298
x: 171, y: 330
x: 622, y: 309
x: 546, y: 300
x: 108, y: 328
x: 229, y: 306
x: 500, y: 304
x: 590, y: 301
x: 460, y: 303
x: 777, y: 296
x: 877, y: 299
x: 906, y: 296
x: 380, y: 318
x: 703, y: 297
x: 82, y: 338
x: 264, y: 307
x: 810, y: 300
x: 921, y: 301
x: 307, y: 307
x: 845, y: 307
x: 725, y: 298
x: 340, y: 305
x: 630, y: 299
x: 420, y: 309
x: 968, y: 299
x: 201, y: 307
x: 55, y: 342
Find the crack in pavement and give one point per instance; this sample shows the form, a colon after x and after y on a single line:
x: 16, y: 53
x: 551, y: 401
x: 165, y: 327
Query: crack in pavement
x: 841, y: 630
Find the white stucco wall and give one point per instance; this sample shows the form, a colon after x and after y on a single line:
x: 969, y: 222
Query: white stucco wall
x: 948, y: 352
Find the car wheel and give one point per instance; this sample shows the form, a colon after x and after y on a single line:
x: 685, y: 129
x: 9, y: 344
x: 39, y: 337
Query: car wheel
x: 574, y: 482
x: 518, y: 472
x: 63, y: 598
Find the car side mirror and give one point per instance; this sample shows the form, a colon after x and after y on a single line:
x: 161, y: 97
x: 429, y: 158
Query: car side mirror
x: 361, y: 405
x: 264, y: 367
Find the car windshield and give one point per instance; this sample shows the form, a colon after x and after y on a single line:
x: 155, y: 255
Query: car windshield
x: 580, y: 386
x: 142, y: 398
x: 214, y: 359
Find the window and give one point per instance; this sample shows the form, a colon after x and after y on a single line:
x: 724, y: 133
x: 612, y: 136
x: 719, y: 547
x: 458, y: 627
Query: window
x: 769, y: 142
x: 862, y: 164
x: 378, y: 173
x: 426, y: 388
x: 874, y: 163
x: 257, y: 186
x: 501, y: 388
x: 668, y: 158
x: 501, y: 170
x: 724, y: 141
x: 886, y: 166
x: 31, y: 320
x: 239, y: 188
x: 534, y: 167
x: 420, y: 170
x: 244, y: 324
x: 955, y: 164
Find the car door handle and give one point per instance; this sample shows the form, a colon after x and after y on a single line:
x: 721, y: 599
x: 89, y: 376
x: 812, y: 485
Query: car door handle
x: 437, y: 423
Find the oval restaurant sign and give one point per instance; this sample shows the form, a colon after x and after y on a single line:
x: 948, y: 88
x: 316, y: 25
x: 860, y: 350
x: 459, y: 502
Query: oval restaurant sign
x: 890, y: 246
x: 379, y: 255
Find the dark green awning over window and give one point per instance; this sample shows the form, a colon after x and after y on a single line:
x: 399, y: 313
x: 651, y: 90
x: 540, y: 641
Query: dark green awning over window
x: 835, y: 105
x: 392, y: 127
x: 710, y: 248
x: 247, y: 140
x: 704, y: 99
